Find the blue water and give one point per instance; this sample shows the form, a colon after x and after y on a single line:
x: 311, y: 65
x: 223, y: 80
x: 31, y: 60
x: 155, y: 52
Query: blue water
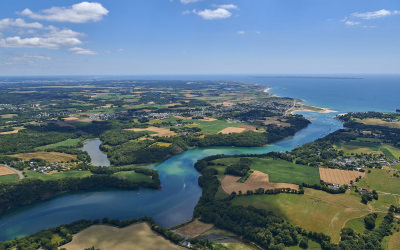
x: 180, y: 192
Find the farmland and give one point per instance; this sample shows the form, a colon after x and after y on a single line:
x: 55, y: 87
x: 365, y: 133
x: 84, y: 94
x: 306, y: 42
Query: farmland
x: 315, y: 210
x: 256, y: 180
x: 107, y: 237
x: 280, y: 170
x: 10, y: 178
x: 61, y: 175
x: 338, y: 176
x: 47, y: 156
x: 381, y: 180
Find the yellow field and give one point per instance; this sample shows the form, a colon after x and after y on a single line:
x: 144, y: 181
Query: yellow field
x: 194, y: 229
x: 8, y: 116
x: 47, y: 156
x: 162, y: 144
x: 229, y: 130
x: 394, y: 241
x: 379, y: 122
x: 338, y: 176
x: 256, y: 180
x: 316, y: 210
x: 16, y: 130
x: 158, y: 131
x: 5, y: 171
x: 136, y: 236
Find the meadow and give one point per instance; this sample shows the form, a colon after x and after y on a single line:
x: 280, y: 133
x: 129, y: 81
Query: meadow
x: 280, y: 170
x: 132, y: 176
x: 67, y: 174
x: 381, y: 180
x: 10, y: 178
x: 66, y: 143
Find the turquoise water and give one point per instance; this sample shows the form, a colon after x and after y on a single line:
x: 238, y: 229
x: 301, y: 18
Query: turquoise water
x: 180, y: 192
x: 93, y: 148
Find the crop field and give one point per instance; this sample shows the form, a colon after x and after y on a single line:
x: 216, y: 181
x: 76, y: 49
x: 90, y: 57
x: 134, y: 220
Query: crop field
x: 133, y: 176
x: 338, y: 176
x: 256, y: 180
x: 213, y: 127
x: 66, y: 143
x: 381, y: 180
x: 194, y: 229
x: 67, y: 174
x: 5, y: 171
x: 157, y: 131
x: 316, y: 210
x: 138, y: 235
x: 286, y: 172
x: 230, y: 130
x: 47, y: 156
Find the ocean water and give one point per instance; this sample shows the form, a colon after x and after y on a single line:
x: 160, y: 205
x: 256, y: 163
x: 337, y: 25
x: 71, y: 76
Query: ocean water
x: 180, y: 192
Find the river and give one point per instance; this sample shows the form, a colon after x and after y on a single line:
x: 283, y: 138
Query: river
x: 174, y: 203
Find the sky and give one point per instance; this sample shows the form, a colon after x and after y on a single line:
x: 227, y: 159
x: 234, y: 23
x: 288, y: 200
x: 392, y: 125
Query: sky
x: 168, y: 37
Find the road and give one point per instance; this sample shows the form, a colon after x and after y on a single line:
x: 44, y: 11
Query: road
x: 19, y: 173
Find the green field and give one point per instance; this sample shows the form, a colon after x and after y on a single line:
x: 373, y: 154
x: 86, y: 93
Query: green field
x: 316, y: 210
x: 381, y: 180
x: 280, y: 170
x: 358, y: 224
x: 67, y: 174
x: 10, y: 178
x: 66, y: 143
x: 214, y: 127
x: 132, y: 176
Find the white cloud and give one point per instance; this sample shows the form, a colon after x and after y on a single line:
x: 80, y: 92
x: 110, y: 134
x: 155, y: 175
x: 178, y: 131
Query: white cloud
x: 78, y: 13
x: 375, y: 14
x: 189, y: 1
x: 55, y: 39
x: 241, y: 32
x: 186, y: 12
x: 351, y: 23
x: 219, y: 13
x: 82, y: 51
x: 228, y: 6
x: 18, y: 23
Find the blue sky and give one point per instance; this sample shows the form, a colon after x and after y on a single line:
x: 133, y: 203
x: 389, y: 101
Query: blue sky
x: 136, y: 37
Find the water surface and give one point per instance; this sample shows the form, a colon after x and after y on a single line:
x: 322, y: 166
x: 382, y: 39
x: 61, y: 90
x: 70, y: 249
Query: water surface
x: 98, y: 157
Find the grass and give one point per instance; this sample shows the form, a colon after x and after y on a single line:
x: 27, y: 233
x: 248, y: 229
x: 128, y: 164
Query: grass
x: 132, y: 176
x: 47, y: 156
x: 381, y: 180
x: 379, y: 122
x: 10, y: 178
x: 358, y: 224
x: 394, y: 241
x: 66, y: 143
x: 214, y: 127
x: 316, y: 210
x: 67, y: 174
x: 136, y: 236
x: 277, y: 170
